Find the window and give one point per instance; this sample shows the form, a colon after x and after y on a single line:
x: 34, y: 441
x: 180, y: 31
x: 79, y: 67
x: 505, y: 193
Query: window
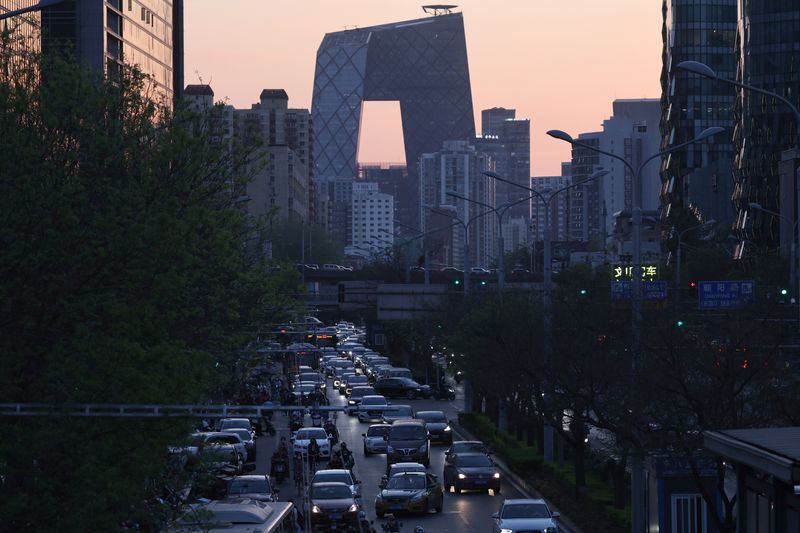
x: 144, y: 14
x: 130, y: 5
x: 688, y: 513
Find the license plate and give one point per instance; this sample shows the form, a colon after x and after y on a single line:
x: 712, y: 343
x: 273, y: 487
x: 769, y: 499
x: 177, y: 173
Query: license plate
x: 336, y: 516
x: 481, y: 482
x: 396, y: 507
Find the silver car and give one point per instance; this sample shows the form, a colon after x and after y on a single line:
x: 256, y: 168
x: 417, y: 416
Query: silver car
x: 375, y: 439
x: 525, y: 515
x: 338, y: 475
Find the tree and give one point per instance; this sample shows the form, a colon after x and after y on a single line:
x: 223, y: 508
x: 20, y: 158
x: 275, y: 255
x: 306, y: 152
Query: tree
x: 124, y: 274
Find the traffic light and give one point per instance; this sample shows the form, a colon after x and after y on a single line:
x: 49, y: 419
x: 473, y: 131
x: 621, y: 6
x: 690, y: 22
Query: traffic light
x: 583, y: 292
x: 456, y: 282
x: 483, y: 282
x: 784, y: 291
x: 693, y: 289
x: 679, y: 323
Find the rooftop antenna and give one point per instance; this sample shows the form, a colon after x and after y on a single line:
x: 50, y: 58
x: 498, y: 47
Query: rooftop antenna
x: 439, y: 9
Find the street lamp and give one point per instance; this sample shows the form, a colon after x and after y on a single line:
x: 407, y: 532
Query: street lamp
x: 500, y: 211
x: 465, y: 248
x: 424, y: 248
x: 678, y: 259
x: 548, y: 281
x: 637, y: 469
x: 696, y: 67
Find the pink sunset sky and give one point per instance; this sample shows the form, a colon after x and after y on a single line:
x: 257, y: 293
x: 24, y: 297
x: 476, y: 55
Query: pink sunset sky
x: 559, y: 63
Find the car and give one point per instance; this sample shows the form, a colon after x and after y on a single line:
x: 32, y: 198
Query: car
x: 399, y: 468
x: 313, y: 377
x: 338, y: 475
x: 371, y: 408
x: 518, y: 515
x: 331, y: 267
x: 236, y: 423
x: 412, y: 492
x: 237, y: 515
x: 478, y: 271
x: 355, y: 398
x: 254, y: 486
x: 303, y: 389
x: 302, y: 438
x: 465, y: 446
x: 453, y: 270
x: 471, y: 471
x: 333, y: 506
x: 222, y: 437
x: 397, y: 412
x: 408, y: 441
x: 343, y: 381
x: 249, y: 442
x: 395, y: 387
x: 358, y: 380
x: 375, y: 439
x: 437, y: 424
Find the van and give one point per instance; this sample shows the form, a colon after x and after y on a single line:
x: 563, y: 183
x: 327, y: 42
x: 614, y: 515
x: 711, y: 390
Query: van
x: 408, y: 442
x: 393, y: 372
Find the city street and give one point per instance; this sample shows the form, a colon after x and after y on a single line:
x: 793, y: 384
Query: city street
x: 469, y: 511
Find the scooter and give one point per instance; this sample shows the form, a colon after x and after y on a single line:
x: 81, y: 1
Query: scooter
x: 446, y: 393
x: 280, y: 468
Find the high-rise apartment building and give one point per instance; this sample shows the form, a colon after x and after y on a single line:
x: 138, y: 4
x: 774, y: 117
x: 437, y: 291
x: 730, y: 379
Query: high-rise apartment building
x: 508, y: 140
x: 768, y: 51
x: 458, y: 167
x: 282, y: 182
x: 421, y: 63
x: 584, y: 199
x: 558, y: 220
x: 372, y: 218
x: 393, y: 179
x: 697, y: 183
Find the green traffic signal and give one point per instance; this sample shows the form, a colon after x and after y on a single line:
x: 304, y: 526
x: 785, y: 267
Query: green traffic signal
x: 584, y: 292
x: 483, y: 282
x: 680, y: 323
x: 456, y: 282
x: 784, y: 292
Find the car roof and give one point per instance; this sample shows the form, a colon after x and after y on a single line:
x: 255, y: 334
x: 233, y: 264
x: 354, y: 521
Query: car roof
x: 408, y: 421
x: 373, y: 396
x: 471, y: 454
x: 250, y: 477
x: 334, y: 471
x: 408, y: 465
x: 519, y: 501
x: 331, y: 484
x: 469, y: 442
x: 430, y: 413
x: 379, y: 426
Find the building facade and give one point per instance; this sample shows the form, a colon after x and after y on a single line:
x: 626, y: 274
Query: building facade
x: 372, y: 218
x: 393, y: 179
x: 458, y: 167
x: 767, y: 51
x: 584, y: 199
x: 558, y: 214
x: 22, y: 34
x: 421, y: 63
x: 697, y: 182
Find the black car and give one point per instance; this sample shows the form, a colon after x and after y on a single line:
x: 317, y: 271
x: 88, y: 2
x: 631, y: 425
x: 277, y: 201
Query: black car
x: 401, y: 388
x: 437, y: 425
x: 333, y: 506
x: 471, y: 471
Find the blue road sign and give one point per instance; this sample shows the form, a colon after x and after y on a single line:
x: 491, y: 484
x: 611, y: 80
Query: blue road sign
x: 651, y: 290
x: 725, y: 294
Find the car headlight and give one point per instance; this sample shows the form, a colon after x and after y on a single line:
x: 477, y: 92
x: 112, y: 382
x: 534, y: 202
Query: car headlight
x: 315, y: 509
x: 351, y: 402
x: 550, y: 529
x: 497, y: 475
x: 462, y: 476
x: 353, y: 508
x: 505, y: 530
x: 448, y: 428
x: 423, y: 448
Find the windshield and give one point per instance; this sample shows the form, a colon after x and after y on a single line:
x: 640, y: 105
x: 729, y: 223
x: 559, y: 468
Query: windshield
x: 408, y: 433
x: 359, y: 392
x: 432, y: 416
x: 243, y: 433
x: 340, y: 477
x: 242, y: 486
x: 378, y: 431
x: 310, y: 377
x: 401, y: 411
x: 410, y: 382
x: 473, y: 460
x: 374, y: 401
x: 229, y: 424
x: 469, y: 447
x: 525, y: 510
x: 308, y: 434
x: 330, y: 492
x: 404, y: 481
x: 226, y: 439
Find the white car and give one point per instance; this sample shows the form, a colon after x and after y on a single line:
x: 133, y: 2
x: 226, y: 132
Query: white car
x: 222, y: 437
x: 518, y: 515
x: 371, y: 408
x: 302, y: 438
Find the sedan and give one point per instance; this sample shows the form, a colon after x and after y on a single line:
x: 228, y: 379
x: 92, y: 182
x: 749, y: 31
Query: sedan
x: 401, y: 388
x: 399, y: 468
x: 338, y: 475
x: 249, y: 442
x: 355, y: 398
x: 397, y: 412
x: 516, y: 516
x: 465, y: 446
x: 371, y: 408
x: 254, y: 487
x: 471, y: 471
x: 437, y: 425
x: 413, y: 492
x: 375, y: 439
x: 333, y: 506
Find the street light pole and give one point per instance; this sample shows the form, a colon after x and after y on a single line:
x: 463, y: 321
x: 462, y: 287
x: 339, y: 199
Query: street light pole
x: 548, y: 285
x: 678, y: 261
x: 637, y: 467
x: 702, y: 69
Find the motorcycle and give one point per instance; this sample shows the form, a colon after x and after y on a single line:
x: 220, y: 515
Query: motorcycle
x: 333, y: 432
x: 280, y: 468
x: 391, y: 525
x: 446, y: 393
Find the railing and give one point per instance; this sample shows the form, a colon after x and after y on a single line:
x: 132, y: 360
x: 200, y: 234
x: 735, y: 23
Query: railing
x: 152, y: 410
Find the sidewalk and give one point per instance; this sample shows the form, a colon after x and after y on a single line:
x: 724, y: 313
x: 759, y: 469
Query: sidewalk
x: 565, y: 525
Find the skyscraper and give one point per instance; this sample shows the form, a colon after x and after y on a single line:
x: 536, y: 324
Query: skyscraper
x: 372, y: 218
x: 105, y: 33
x: 767, y: 54
x: 558, y: 221
x: 696, y: 182
x: 421, y: 63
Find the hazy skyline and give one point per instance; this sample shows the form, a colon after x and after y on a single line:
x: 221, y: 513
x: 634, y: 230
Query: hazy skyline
x: 559, y: 64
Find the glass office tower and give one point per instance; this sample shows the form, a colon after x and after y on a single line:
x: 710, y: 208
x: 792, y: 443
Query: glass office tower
x: 420, y: 63
x: 697, y: 183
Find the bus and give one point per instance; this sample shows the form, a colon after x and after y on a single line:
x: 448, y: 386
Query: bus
x: 239, y: 515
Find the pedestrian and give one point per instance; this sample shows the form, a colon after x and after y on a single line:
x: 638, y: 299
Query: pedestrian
x: 299, y: 521
x: 313, y: 455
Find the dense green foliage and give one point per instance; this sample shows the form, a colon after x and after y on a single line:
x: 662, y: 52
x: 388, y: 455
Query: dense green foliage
x: 126, y: 270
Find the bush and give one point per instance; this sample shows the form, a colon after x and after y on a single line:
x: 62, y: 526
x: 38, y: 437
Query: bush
x: 523, y: 461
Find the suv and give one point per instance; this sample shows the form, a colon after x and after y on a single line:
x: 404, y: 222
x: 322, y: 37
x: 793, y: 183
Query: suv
x: 399, y: 387
x: 408, y: 441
